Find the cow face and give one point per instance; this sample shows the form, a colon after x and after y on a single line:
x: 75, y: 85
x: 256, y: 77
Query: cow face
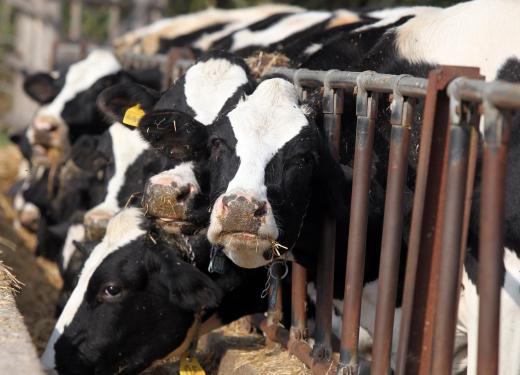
x: 266, y: 161
x: 134, y: 302
x: 69, y: 104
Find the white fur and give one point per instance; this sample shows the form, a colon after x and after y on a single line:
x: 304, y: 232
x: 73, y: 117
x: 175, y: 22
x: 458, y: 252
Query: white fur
x: 127, y: 145
x: 279, y: 31
x: 181, y: 174
x: 171, y: 28
x: 121, y: 230
x: 75, y: 232
x: 246, y: 19
x: 80, y: 77
x: 509, y: 342
x: 312, y: 49
x: 481, y: 33
x: 262, y: 124
x: 392, y: 15
x: 209, y: 85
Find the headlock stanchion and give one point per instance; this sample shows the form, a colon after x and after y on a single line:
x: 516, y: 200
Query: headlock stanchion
x: 439, y: 225
x: 401, y: 121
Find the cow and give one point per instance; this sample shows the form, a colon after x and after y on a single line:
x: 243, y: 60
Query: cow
x: 69, y: 103
x: 191, y: 30
x: 139, y: 299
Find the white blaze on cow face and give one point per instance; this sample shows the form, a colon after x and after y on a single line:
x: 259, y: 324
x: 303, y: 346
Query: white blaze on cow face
x: 76, y: 232
x: 122, y: 229
x: 480, y: 33
x: 127, y: 145
x: 281, y: 30
x: 262, y: 124
x: 220, y: 79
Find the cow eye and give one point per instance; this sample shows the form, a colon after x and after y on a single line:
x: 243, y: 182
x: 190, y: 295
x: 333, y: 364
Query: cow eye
x: 302, y: 161
x: 111, y: 292
x: 216, y: 143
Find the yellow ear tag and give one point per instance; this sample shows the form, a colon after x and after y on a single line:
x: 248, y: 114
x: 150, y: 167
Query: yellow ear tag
x: 133, y: 115
x: 190, y: 366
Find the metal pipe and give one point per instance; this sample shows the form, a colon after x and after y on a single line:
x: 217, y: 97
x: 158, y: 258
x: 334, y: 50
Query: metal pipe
x: 298, y: 305
x: 490, y: 270
x: 366, y: 109
x: 403, y: 112
x: 500, y: 94
x: 447, y: 299
x: 322, y: 350
x: 374, y: 82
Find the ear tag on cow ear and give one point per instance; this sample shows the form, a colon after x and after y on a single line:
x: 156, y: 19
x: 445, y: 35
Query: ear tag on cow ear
x: 190, y: 366
x: 133, y: 115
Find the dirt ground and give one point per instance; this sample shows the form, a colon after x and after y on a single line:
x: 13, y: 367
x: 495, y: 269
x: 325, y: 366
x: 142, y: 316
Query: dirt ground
x: 228, y: 350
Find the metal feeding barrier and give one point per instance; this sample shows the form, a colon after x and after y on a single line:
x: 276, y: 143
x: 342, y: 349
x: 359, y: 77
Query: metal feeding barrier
x: 454, y: 98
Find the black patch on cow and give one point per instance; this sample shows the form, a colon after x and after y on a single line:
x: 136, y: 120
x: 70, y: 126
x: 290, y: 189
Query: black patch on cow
x: 187, y: 39
x: 42, y: 87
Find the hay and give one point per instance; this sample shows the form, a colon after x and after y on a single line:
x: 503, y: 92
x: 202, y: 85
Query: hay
x: 261, y: 62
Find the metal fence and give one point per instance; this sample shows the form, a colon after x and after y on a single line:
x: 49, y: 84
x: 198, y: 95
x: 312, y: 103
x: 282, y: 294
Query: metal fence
x: 440, y: 219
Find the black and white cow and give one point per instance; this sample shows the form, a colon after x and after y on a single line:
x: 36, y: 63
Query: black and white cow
x: 175, y: 124
x: 138, y: 299
x: 69, y: 102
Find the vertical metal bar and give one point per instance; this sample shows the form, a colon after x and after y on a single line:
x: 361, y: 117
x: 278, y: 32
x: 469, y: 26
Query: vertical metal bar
x: 75, y: 19
x: 402, y: 117
x: 491, y: 272
x: 298, y: 298
x: 366, y: 110
x: 447, y: 299
x: 322, y: 351
x: 422, y: 267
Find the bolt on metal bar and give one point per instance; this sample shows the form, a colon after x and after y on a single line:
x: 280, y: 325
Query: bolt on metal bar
x: 322, y: 350
x: 401, y: 122
x: 497, y: 127
x: 375, y: 82
x: 366, y: 110
x: 450, y: 251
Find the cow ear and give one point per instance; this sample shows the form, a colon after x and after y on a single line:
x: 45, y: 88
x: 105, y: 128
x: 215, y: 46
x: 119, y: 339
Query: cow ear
x: 188, y: 286
x: 41, y: 87
x: 115, y: 101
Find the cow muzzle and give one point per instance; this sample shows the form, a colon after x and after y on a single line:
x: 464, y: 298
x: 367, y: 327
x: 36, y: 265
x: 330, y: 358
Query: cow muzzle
x: 96, y: 222
x: 245, y: 226
x: 48, y: 137
x: 169, y: 199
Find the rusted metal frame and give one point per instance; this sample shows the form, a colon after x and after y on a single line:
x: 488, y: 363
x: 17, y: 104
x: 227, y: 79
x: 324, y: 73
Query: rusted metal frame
x: 333, y: 101
x: 131, y: 60
x: 401, y: 122
x: 375, y: 82
x: 298, y: 304
x: 173, y: 67
x: 299, y: 348
x: 422, y: 267
x: 497, y: 127
x: 452, y: 236
x: 500, y: 94
x: 366, y: 110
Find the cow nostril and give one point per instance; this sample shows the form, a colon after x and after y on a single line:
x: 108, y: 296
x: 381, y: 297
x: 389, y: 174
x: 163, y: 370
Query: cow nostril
x: 184, y: 193
x: 261, y: 210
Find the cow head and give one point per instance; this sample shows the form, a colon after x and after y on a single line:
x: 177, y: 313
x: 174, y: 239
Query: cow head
x: 135, y: 301
x: 267, y: 162
x: 175, y: 123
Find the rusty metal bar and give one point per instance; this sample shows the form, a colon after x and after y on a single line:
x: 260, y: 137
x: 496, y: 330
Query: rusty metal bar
x: 366, y: 110
x: 490, y: 272
x: 298, y: 305
x: 450, y: 252
x: 422, y: 267
x: 500, y: 94
x: 375, y: 82
x: 401, y: 120
x: 322, y: 350
x: 299, y: 348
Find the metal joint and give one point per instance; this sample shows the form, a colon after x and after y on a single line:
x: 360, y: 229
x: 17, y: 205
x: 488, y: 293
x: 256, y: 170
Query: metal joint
x: 459, y: 112
x: 362, y: 97
x: 397, y: 105
x: 297, y: 77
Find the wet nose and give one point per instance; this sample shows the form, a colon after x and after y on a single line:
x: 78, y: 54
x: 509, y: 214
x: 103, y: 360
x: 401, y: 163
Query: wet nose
x: 44, y: 130
x: 242, y: 213
x: 168, y: 197
x: 29, y: 216
x: 96, y: 222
